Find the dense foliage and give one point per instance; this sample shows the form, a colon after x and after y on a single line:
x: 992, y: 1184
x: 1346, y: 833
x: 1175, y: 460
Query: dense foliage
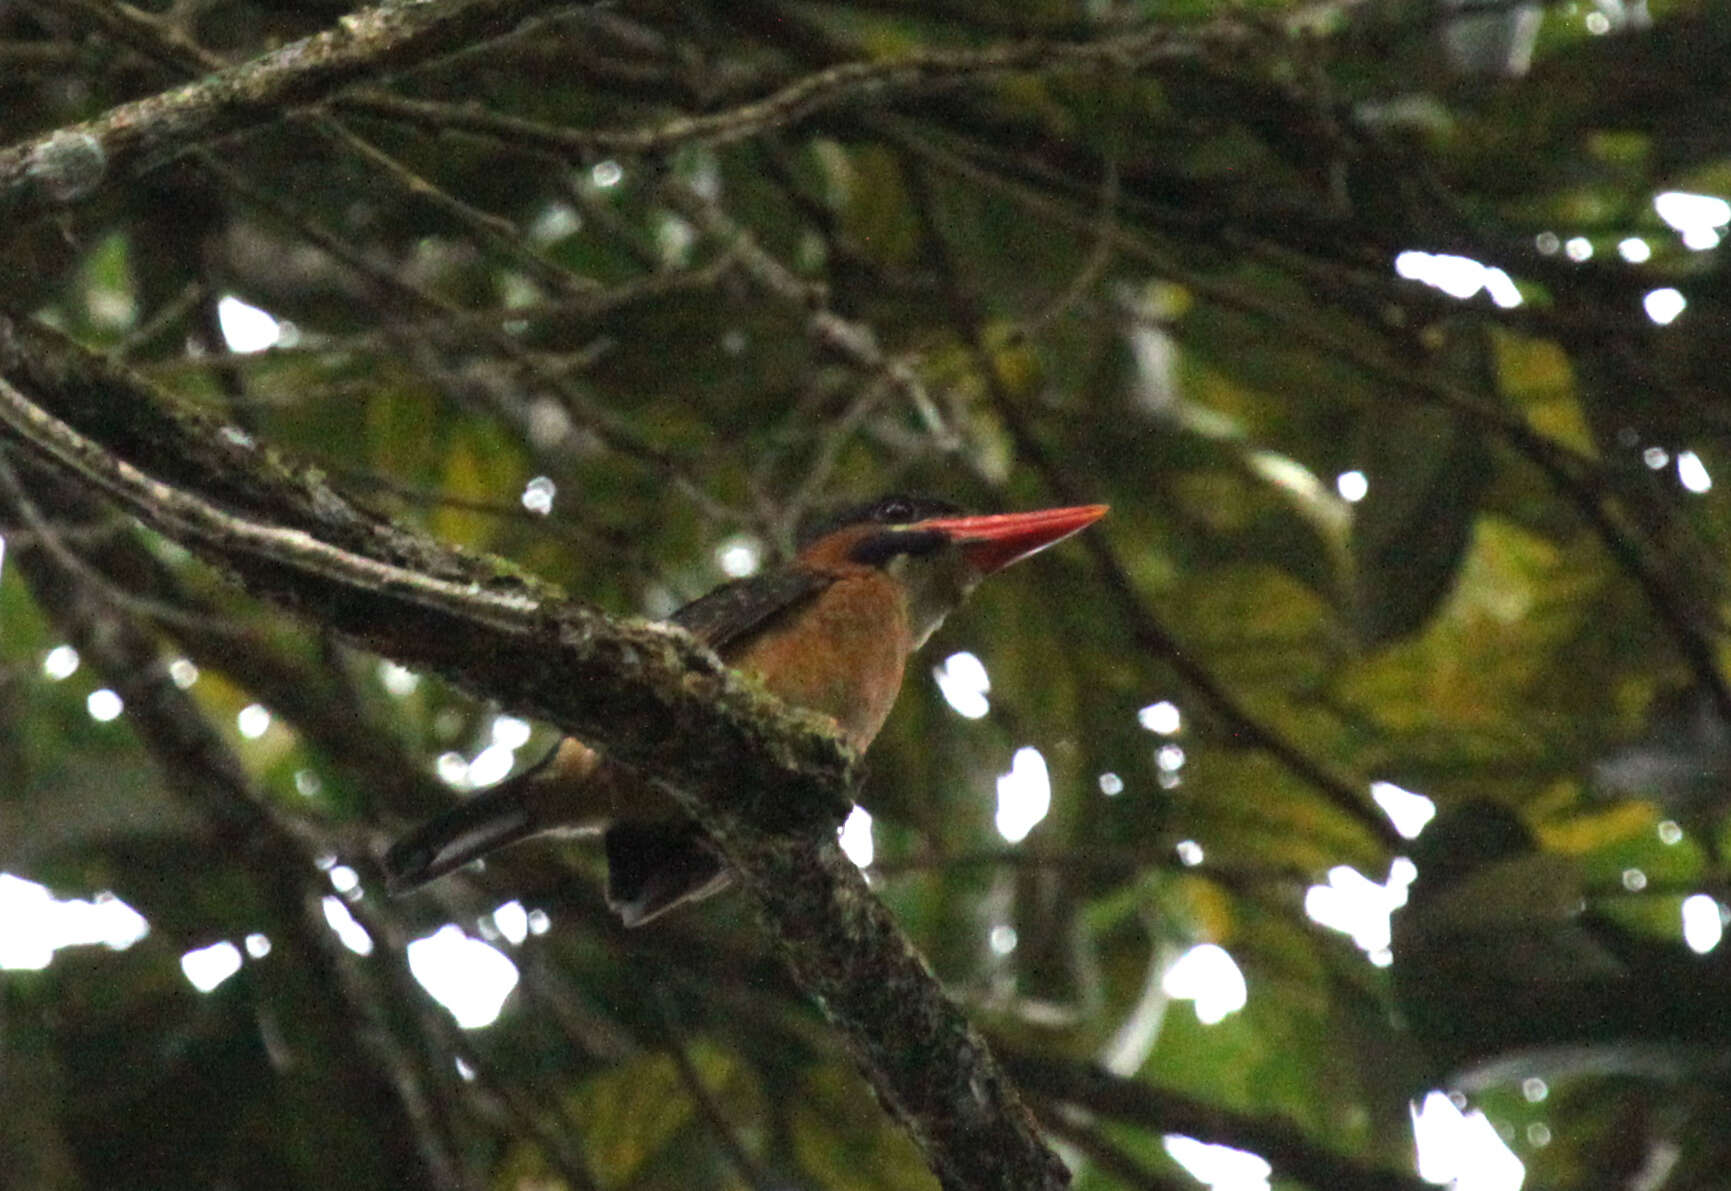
x: 1387, y: 332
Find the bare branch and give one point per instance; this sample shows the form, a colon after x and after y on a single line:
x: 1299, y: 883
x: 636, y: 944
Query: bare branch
x: 847, y: 83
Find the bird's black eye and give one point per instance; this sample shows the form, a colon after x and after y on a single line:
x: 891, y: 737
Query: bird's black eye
x: 894, y: 509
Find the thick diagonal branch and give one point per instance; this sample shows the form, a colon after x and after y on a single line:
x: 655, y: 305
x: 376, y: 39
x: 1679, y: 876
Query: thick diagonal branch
x: 766, y: 781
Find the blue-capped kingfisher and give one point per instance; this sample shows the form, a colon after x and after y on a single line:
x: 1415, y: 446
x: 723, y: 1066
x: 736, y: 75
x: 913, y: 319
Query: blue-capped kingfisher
x: 830, y: 631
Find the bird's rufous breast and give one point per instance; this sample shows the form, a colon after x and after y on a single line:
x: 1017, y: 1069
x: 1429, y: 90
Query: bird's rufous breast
x: 842, y: 654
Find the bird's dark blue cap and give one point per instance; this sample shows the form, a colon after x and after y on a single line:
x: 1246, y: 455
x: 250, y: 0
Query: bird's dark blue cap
x: 894, y: 509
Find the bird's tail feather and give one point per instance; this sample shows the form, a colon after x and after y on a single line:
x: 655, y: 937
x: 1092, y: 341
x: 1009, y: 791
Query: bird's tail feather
x: 653, y: 867
x: 489, y: 820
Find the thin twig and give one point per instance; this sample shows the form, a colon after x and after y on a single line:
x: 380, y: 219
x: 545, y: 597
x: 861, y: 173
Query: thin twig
x: 1059, y: 1081
x: 719, y: 1126
x: 853, y: 341
x: 495, y: 233
x: 1346, y: 795
x: 1576, y: 476
x: 845, y: 84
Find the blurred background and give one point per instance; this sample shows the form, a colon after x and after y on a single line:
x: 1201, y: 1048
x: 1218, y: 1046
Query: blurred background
x: 1343, y: 811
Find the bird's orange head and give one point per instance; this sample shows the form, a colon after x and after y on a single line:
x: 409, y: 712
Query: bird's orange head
x: 937, y: 552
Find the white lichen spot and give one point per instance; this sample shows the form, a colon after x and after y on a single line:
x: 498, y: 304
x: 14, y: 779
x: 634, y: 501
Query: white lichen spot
x: 68, y: 165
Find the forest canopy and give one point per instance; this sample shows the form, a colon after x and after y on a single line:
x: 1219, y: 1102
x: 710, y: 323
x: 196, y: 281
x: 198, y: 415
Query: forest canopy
x: 1342, y: 811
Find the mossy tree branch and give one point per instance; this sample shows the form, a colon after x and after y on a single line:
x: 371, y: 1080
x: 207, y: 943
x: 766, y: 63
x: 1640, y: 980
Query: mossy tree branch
x: 768, y: 782
x: 75, y: 163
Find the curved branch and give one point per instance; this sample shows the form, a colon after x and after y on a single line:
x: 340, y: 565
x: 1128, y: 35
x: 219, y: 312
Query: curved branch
x: 75, y: 163
x: 1292, y: 1153
x: 835, y: 86
x: 767, y: 782
x: 207, y: 777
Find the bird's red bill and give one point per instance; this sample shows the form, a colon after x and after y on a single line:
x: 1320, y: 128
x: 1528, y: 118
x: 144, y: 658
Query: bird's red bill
x: 993, y: 542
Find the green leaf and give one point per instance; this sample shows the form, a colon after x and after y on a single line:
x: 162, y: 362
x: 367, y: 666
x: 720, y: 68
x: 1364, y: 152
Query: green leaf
x: 1427, y: 468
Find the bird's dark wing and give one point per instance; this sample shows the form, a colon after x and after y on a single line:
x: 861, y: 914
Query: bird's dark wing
x: 734, y: 611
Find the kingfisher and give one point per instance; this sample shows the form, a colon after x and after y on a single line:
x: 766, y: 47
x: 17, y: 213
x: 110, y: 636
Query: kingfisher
x: 830, y: 631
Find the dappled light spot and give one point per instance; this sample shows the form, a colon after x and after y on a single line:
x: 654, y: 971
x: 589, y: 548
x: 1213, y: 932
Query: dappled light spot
x: 1207, y: 976
x: 398, y: 680
x: 207, y: 967
x: 60, y: 662
x: 252, y: 721
x: 1664, y: 305
x: 246, y: 328
x: 1003, y: 939
x: 490, y: 765
x: 511, y: 920
x: 1353, y: 486
x: 1357, y: 906
x: 674, y: 237
x: 964, y: 683
x: 739, y: 556
x: 1111, y: 785
x: 554, y: 222
x: 1578, y: 248
x: 510, y: 731
x: 1218, y: 1167
x: 350, y: 933
x: 1024, y: 795
x: 1697, y: 218
x: 182, y: 673
x: 1189, y: 852
x: 1692, y: 473
x: 453, y: 770
x: 856, y: 837
x: 1635, y: 250
x: 1703, y: 923
x: 538, y: 495
x: 465, y: 975
x: 103, y: 705
x: 257, y: 945
x: 1462, y: 1150
x: 1162, y: 718
x: 1458, y: 276
x: 34, y: 924
x: 1409, y: 812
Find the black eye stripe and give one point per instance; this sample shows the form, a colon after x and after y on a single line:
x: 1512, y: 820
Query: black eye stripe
x: 879, y: 548
x: 894, y: 509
